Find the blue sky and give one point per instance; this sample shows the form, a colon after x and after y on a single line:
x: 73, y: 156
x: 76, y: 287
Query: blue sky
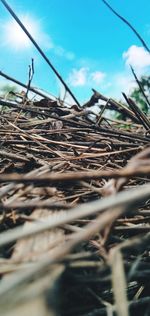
x: 87, y: 44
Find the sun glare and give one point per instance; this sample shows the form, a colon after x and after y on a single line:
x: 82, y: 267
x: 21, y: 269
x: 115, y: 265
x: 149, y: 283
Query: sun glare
x: 15, y: 36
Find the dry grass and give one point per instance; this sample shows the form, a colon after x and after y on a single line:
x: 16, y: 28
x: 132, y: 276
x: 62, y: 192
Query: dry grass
x: 75, y: 211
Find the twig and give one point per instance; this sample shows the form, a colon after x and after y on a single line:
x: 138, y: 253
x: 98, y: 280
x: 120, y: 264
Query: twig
x: 128, y: 24
x: 124, y: 198
x: 31, y: 74
x: 36, y: 91
x: 76, y: 176
x: 140, y: 86
x: 118, y: 274
x: 140, y: 115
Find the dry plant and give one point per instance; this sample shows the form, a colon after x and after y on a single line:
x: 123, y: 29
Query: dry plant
x: 75, y: 210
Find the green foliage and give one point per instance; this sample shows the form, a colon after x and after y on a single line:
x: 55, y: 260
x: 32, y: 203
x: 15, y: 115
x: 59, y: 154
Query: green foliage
x: 8, y: 91
x: 138, y: 96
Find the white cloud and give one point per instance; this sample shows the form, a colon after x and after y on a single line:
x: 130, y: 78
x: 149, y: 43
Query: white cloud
x: 124, y: 82
x: 78, y: 77
x: 98, y: 76
x: 137, y: 56
x: 60, y: 51
x: 120, y: 82
x: 83, y: 77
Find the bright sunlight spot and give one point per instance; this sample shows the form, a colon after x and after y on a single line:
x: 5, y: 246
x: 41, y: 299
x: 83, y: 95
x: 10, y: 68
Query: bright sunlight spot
x: 15, y: 36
